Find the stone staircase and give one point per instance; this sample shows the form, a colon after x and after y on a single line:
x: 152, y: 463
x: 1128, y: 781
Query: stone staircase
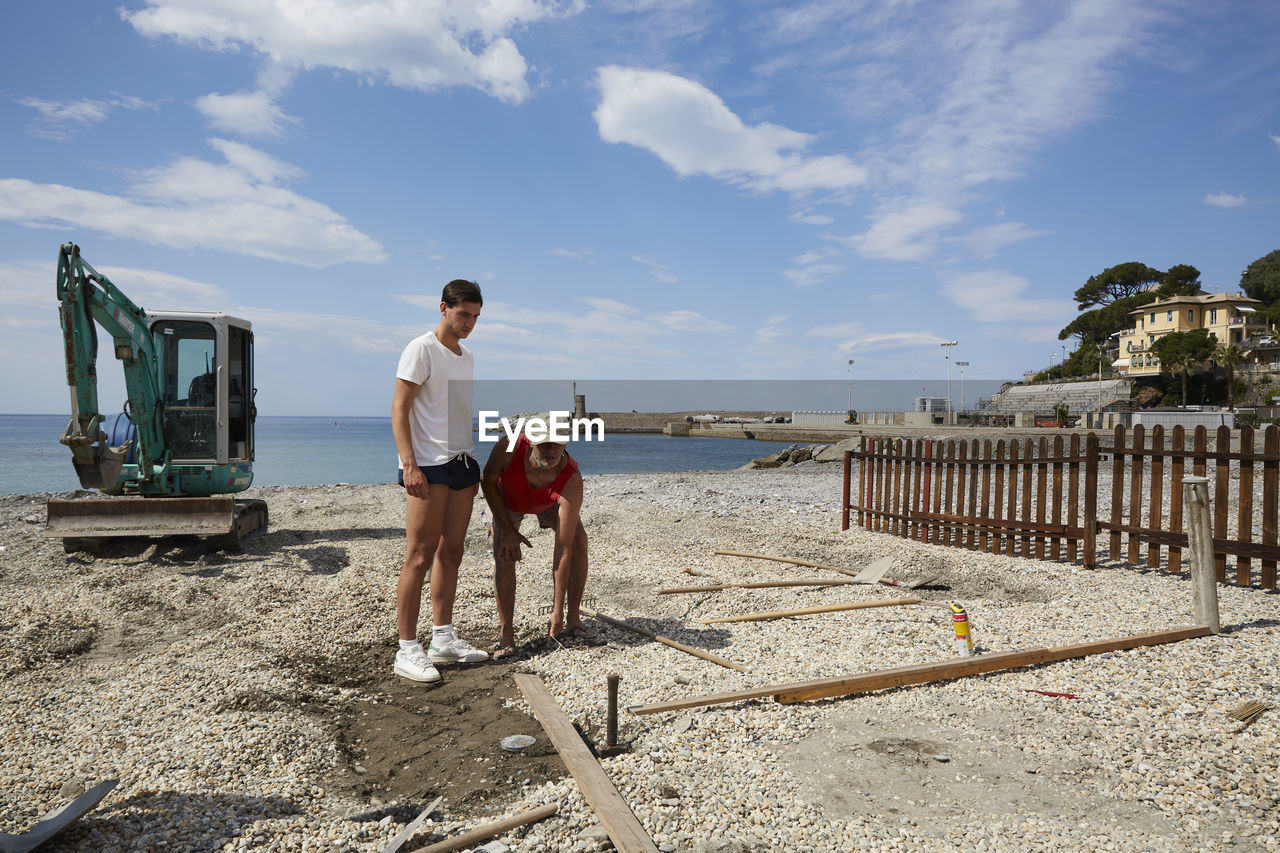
x: 1076, y: 396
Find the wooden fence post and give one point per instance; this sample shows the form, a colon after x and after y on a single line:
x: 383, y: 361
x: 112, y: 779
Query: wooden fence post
x: 844, y: 503
x: 1204, y: 581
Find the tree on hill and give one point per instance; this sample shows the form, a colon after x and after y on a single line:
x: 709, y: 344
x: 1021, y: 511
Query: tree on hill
x: 1106, y: 299
x: 1229, y: 355
x: 1181, y: 351
x: 1262, y: 281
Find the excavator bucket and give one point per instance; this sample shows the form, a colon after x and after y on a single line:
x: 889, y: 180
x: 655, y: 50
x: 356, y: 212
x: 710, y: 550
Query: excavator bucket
x: 93, y: 518
x: 104, y: 471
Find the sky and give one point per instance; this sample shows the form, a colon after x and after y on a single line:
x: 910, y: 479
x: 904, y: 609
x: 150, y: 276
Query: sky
x: 644, y: 189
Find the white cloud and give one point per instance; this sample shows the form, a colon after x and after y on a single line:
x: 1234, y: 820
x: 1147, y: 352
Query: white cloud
x: 691, y: 129
x: 656, y: 268
x: 690, y: 321
x: 577, y: 253
x: 987, y: 240
x: 411, y: 45
x: 805, y: 218
x: 906, y: 235
x: 774, y: 330
x: 1224, y: 199
x: 998, y: 297
x: 813, y: 267
x: 610, y: 305
x: 239, y: 206
x: 1275, y: 139
x: 888, y: 341
x: 248, y: 113
x: 60, y: 121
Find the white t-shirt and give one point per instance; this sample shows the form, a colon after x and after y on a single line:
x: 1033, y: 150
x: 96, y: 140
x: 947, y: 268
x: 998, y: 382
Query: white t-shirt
x: 440, y: 418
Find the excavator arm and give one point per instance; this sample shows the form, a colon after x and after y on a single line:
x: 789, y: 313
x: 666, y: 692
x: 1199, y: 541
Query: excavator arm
x: 87, y: 299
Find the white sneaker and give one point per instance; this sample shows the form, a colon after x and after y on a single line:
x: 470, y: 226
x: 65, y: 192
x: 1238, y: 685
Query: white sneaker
x: 455, y: 650
x: 415, y: 666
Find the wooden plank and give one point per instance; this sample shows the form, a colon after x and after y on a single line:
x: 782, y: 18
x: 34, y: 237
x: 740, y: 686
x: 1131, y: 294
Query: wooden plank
x: 844, y: 491
x: 1270, y: 501
x: 491, y: 830
x: 898, y: 464
x: 1042, y: 488
x: 939, y: 448
x: 926, y: 672
x: 1156, y: 504
x: 997, y: 503
x: 1256, y: 550
x: 681, y: 590
x: 1055, y: 499
x: 1244, y: 516
x: 962, y: 473
x: 917, y: 452
x: 869, y: 464
x: 977, y: 521
x: 970, y: 538
x: 1010, y: 541
x: 1073, y: 496
x: 666, y: 641
x: 1135, y: 490
x: 1177, y: 472
x: 809, y: 611
x: 611, y: 810
x: 1027, y: 478
x: 949, y: 475
x: 1221, y: 497
x: 1090, y: 521
x: 1117, y: 490
x: 984, y: 542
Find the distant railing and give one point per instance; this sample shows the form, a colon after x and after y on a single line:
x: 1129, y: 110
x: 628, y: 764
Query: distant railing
x: 1027, y: 497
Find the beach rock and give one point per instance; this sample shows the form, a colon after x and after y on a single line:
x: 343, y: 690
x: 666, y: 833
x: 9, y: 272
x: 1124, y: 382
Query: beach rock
x: 835, y: 452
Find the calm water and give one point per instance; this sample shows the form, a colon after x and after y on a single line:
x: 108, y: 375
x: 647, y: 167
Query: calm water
x: 315, y: 451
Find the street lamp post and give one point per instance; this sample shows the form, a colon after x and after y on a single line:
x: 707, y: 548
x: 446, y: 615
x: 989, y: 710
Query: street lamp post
x: 850, y: 390
x: 962, y: 365
x: 946, y: 348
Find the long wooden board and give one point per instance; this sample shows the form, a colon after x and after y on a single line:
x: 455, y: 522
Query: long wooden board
x: 612, y: 811
x: 666, y: 641
x: 922, y: 673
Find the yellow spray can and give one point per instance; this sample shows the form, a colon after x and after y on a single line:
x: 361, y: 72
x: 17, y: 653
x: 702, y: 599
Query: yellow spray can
x: 964, y: 637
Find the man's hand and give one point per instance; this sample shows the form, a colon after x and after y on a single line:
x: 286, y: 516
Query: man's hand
x: 510, y: 546
x: 415, y: 484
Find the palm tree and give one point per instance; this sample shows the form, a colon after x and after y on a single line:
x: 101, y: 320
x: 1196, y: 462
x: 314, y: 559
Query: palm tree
x: 1229, y: 355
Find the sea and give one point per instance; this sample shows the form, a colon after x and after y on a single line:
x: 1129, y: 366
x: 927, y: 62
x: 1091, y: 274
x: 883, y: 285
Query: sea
x: 310, y: 451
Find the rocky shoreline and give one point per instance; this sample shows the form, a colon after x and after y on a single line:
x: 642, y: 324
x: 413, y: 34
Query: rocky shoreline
x: 246, y: 701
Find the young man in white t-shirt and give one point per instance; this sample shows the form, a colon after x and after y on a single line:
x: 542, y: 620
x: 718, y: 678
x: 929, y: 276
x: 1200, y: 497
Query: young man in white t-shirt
x: 431, y: 422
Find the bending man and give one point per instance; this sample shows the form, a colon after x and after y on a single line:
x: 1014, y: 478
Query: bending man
x: 537, y: 477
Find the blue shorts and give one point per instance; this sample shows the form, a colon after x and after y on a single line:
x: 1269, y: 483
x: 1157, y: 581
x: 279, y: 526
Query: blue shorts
x: 460, y: 472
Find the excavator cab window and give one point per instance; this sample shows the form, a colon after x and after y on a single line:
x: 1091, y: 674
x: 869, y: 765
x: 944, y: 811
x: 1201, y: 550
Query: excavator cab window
x: 239, y: 403
x: 189, y: 387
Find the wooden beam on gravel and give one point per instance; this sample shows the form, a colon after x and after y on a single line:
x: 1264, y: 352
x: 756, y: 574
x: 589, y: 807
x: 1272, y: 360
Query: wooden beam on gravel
x: 666, y: 641
x: 490, y: 830
x: 624, y: 828
x: 807, y: 611
x: 923, y: 673
x: 754, y: 585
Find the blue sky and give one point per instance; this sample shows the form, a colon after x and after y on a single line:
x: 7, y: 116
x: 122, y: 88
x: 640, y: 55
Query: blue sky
x: 645, y: 189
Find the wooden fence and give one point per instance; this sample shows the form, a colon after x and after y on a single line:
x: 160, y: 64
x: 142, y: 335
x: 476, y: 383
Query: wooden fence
x: 1041, y: 498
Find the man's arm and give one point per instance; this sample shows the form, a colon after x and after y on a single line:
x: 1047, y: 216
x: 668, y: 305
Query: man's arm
x: 401, y: 402
x: 570, y: 509
x: 499, y: 458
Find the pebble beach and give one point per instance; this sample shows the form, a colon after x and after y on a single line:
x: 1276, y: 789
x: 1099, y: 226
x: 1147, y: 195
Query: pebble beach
x: 201, y: 680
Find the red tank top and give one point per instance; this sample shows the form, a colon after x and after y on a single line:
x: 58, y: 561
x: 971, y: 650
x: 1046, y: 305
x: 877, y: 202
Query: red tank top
x: 514, y: 485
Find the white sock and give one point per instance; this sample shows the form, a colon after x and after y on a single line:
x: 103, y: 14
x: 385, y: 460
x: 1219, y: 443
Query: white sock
x: 441, y: 634
x: 408, y: 645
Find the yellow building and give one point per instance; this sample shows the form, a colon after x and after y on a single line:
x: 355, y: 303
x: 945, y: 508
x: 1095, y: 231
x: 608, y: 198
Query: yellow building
x: 1229, y: 317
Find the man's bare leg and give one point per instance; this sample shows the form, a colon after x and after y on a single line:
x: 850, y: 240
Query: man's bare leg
x: 424, y: 520
x: 448, y: 553
x: 504, y: 591
x: 569, y: 583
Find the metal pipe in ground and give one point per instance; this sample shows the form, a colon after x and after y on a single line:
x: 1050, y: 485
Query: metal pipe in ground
x: 611, y: 730
x: 1204, y: 580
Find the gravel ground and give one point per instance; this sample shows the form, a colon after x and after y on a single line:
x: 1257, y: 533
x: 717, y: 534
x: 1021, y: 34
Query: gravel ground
x: 196, y: 678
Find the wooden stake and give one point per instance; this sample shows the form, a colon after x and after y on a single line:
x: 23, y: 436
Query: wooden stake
x: 924, y: 673
x: 807, y: 564
x: 666, y: 641
x: 805, y: 611
x: 489, y: 830
x: 756, y: 585
x: 624, y: 829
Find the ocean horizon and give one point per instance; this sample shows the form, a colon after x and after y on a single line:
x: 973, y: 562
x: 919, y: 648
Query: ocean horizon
x: 316, y: 450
